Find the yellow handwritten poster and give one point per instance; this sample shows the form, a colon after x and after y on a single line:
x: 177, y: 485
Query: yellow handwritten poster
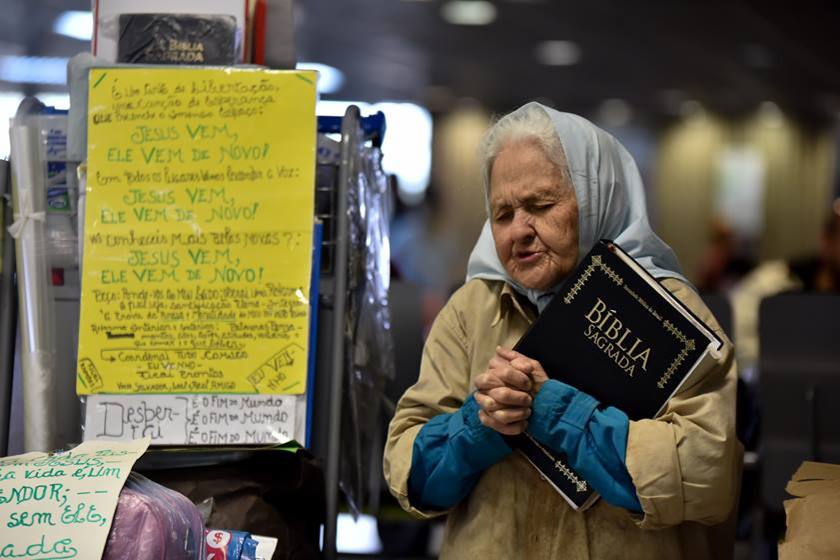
x: 198, y: 231
x: 61, y: 506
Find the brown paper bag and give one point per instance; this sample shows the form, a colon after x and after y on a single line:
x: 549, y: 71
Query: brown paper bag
x: 813, y: 516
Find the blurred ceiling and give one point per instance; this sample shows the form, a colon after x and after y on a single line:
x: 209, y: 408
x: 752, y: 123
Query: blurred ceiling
x: 728, y: 55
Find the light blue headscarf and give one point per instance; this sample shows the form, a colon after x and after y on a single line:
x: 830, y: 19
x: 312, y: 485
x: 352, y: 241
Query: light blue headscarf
x: 611, y: 205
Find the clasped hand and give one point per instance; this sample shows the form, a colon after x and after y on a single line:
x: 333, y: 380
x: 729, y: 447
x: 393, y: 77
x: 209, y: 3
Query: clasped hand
x: 506, y: 390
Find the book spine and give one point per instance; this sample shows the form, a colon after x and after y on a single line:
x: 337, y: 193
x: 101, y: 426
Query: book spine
x: 259, y: 32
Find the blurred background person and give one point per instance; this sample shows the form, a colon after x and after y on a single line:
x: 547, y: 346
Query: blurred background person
x: 722, y: 265
x: 818, y: 273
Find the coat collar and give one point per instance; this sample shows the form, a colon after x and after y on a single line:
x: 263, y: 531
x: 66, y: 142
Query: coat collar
x: 512, y: 302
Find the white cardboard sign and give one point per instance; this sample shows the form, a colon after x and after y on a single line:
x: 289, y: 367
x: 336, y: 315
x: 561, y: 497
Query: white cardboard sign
x: 193, y: 419
x: 60, y: 506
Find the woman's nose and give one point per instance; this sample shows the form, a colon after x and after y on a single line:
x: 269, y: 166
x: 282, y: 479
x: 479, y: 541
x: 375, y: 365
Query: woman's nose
x: 522, y: 227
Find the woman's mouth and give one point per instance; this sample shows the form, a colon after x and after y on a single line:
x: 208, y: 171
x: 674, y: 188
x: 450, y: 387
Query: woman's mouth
x: 527, y: 257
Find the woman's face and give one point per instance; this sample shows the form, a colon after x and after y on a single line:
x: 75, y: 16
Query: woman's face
x: 533, y: 215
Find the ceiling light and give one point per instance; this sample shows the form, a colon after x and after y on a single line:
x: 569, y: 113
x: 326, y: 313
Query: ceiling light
x: 75, y: 24
x: 614, y: 113
x: 330, y: 79
x: 468, y: 12
x: 558, y: 53
x: 33, y: 69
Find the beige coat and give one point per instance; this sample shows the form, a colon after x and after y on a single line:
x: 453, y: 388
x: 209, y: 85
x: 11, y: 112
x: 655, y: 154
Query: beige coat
x: 685, y: 464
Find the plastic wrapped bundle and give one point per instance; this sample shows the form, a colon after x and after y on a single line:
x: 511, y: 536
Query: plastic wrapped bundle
x: 46, y: 239
x: 370, y: 346
x: 154, y: 523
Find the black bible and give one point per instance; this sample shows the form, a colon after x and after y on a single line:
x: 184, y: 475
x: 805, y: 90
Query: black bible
x: 614, y: 332
x: 193, y: 39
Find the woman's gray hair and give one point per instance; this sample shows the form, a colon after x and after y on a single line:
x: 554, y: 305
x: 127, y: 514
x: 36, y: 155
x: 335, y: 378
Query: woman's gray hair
x: 531, y: 123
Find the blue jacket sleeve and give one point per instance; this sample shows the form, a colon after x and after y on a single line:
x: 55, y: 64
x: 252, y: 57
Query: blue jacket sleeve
x: 450, y: 452
x: 594, y: 439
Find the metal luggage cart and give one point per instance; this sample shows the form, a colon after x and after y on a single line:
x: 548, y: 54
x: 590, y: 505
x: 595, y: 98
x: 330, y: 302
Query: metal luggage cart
x: 341, y: 265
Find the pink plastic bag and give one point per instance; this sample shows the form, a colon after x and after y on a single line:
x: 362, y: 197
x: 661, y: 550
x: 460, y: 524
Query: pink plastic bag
x: 153, y: 522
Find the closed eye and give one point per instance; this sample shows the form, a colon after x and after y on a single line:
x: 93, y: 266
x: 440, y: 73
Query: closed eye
x: 503, y: 215
x: 542, y: 207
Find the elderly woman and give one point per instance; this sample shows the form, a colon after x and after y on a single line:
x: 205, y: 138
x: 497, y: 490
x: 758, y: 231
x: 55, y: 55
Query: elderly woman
x: 555, y: 184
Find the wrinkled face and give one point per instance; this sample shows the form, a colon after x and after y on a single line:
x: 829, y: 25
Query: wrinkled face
x: 533, y: 215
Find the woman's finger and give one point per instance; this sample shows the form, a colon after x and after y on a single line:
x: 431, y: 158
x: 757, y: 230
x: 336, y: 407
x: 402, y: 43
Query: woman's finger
x: 513, y: 377
x: 507, y: 353
x: 488, y: 380
x: 510, y: 397
x: 516, y: 360
x: 511, y: 415
x: 519, y: 361
x: 497, y: 362
x: 503, y: 377
x: 485, y: 402
x: 505, y: 429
